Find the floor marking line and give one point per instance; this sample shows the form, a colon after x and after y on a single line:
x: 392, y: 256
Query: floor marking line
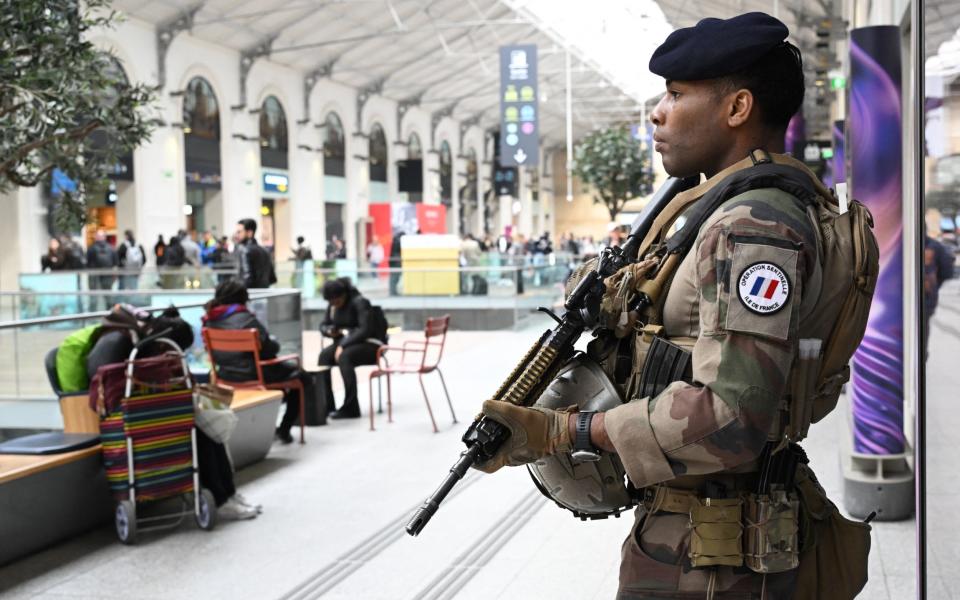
x: 355, y: 558
x: 470, y: 562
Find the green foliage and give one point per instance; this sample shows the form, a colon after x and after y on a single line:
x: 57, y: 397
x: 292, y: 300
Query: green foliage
x: 614, y: 164
x: 63, y: 103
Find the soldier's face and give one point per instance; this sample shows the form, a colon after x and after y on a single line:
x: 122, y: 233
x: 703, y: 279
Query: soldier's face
x: 690, y: 129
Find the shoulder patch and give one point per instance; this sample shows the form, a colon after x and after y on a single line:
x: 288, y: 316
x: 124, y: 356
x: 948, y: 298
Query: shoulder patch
x: 763, y: 288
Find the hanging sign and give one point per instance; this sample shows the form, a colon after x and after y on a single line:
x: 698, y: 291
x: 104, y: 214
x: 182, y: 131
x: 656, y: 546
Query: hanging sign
x: 519, y: 121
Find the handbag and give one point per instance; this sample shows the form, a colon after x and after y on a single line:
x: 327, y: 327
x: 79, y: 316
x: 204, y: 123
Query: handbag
x: 212, y: 411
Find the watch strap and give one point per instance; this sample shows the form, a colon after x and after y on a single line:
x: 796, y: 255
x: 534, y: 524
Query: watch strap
x: 582, y: 438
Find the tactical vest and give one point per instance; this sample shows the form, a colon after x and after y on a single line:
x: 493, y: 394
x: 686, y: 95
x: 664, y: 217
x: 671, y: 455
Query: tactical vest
x: 849, y: 259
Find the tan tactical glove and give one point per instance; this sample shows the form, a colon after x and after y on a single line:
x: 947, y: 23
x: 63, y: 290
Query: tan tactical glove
x: 534, y: 433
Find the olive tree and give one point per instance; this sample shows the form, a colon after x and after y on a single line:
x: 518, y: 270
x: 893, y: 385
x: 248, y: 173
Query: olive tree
x: 63, y: 103
x: 615, y: 167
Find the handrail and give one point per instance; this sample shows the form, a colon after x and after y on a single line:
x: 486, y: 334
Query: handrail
x: 99, y: 314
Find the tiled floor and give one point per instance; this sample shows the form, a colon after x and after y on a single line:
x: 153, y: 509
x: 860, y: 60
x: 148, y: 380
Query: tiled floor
x: 334, y: 511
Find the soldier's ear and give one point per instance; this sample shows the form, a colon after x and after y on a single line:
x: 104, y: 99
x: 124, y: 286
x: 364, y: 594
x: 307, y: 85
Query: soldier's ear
x: 741, y: 108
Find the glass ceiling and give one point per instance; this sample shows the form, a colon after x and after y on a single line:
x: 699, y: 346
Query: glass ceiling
x: 618, y: 36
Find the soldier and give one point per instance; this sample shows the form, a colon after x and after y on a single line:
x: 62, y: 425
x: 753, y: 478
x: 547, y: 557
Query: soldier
x: 744, y: 292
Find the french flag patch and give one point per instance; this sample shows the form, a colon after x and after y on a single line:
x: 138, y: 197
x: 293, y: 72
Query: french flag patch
x: 763, y: 288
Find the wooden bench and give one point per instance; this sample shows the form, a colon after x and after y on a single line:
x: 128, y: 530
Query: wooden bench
x: 49, y: 498
x: 46, y: 499
x: 257, y: 412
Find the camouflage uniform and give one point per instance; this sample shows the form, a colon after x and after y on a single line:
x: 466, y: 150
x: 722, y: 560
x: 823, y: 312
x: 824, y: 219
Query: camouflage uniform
x: 715, y: 429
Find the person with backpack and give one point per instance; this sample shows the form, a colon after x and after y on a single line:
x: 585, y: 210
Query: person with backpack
x: 758, y: 316
x: 357, y: 329
x: 101, y: 256
x: 132, y: 258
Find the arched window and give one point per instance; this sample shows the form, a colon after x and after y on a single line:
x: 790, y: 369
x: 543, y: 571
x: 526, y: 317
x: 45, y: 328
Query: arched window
x: 378, y: 153
x: 201, y: 113
x: 273, y: 134
x: 414, y: 149
x: 334, y: 148
x: 102, y: 140
x: 446, y: 174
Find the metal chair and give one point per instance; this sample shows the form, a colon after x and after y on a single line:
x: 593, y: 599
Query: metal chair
x: 248, y: 340
x: 416, y: 356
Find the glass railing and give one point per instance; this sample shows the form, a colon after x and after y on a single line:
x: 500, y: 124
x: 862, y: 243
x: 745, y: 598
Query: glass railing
x: 26, y: 398
x: 489, y: 273
x: 120, y: 280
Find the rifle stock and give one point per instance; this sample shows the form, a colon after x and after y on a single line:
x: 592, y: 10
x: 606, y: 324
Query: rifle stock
x: 542, y: 362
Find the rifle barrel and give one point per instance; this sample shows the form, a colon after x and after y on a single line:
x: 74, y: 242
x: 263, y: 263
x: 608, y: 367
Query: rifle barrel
x: 431, y: 504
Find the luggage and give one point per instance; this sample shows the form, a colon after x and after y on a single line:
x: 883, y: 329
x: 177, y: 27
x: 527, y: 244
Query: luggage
x: 315, y: 397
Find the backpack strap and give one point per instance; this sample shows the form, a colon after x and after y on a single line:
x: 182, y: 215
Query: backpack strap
x: 758, y: 170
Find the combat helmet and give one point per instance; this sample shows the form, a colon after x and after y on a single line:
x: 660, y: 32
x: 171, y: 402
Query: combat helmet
x: 591, y: 490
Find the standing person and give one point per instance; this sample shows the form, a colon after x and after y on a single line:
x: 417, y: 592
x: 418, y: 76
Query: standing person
x: 228, y: 310
x: 375, y: 254
x: 54, y: 259
x: 173, y: 261
x: 255, y: 268
x: 937, y: 268
x: 697, y: 450
x: 572, y: 246
x: 350, y: 321
x: 101, y: 256
x: 158, y: 250
x: 207, y: 248
x: 191, y: 249
x: 302, y: 252
x: 73, y: 253
x: 132, y: 258
x: 332, y: 247
x: 395, y: 262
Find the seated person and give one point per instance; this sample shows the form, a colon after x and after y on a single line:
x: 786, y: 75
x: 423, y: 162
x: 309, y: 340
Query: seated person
x: 118, y: 334
x: 351, y: 312
x: 228, y: 310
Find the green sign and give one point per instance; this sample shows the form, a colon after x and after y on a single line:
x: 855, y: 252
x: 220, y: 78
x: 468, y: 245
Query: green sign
x: 838, y: 83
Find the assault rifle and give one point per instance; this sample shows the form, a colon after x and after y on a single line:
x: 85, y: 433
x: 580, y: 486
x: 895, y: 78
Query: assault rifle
x: 545, y: 358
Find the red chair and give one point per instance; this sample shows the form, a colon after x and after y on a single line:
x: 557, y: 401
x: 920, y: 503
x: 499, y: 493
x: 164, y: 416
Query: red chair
x: 416, y: 356
x: 248, y: 340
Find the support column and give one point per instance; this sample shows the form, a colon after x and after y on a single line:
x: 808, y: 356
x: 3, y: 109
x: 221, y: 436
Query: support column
x: 160, y: 184
x: 306, y: 198
x: 358, y: 195
x: 240, y: 168
x: 877, y: 475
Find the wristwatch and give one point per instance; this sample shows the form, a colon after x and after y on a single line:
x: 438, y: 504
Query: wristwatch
x: 583, y: 450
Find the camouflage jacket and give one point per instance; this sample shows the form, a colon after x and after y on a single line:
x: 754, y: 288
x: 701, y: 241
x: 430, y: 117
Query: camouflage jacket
x: 742, y: 292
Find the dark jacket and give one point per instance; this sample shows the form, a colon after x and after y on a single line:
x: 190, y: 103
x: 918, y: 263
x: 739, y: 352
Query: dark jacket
x: 239, y: 366
x: 53, y: 261
x: 254, y: 265
x: 395, y: 248
x: 361, y: 320
x: 173, y: 255
x: 101, y: 256
x: 937, y: 268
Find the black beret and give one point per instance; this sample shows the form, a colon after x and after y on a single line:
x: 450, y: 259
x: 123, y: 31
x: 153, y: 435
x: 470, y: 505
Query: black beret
x: 717, y: 47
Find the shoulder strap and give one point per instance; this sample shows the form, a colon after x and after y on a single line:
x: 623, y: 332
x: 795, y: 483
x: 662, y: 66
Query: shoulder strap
x: 764, y: 175
x: 759, y: 170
